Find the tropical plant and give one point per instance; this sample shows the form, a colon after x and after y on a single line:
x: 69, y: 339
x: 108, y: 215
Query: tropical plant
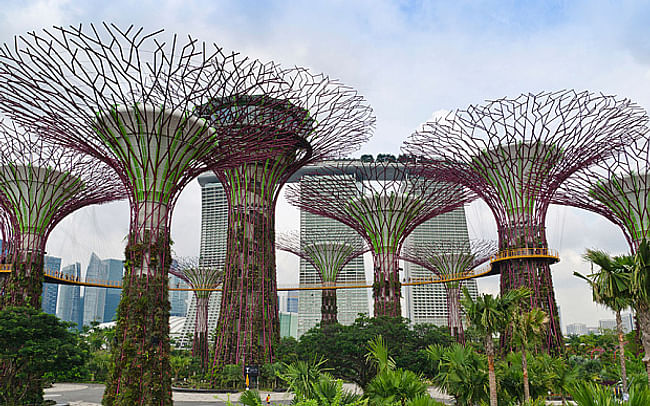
x: 461, y: 372
x: 390, y: 385
x: 490, y: 315
x: 640, y: 288
x: 525, y: 327
x: 611, y: 287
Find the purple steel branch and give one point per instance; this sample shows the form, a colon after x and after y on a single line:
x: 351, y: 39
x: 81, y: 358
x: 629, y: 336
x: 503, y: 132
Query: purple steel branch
x: 383, y: 202
x: 515, y: 154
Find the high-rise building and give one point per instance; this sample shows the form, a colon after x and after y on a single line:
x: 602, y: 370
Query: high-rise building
x: 100, y: 304
x: 50, y: 290
x: 576, y: 329
x: 114, y: 270
x: 428, y: 303
x: 349, y: 302
x: 608, y: 324
x: 70, y: 306
x: 177, y: 298
x: 628, y: 322
x: 212, y: 251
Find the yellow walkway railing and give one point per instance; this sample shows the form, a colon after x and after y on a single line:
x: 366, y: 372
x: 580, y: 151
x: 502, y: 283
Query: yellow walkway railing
x: 550, y: 254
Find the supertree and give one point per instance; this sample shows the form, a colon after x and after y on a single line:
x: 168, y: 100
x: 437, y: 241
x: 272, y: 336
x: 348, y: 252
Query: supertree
x: 320, y: 118
x: 328, y: 252
x: 39, y: 186
x: 128, y: 98
x: 450, y: 259
x: 383, y: 203
x: 203, y: 279
x: 617, y: 189
x: 515, y: 153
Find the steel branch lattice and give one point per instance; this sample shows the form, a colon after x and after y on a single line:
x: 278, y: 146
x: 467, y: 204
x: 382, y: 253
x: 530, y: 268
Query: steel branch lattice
x: 129, y: 98
x: 328, y: 252
x: 616, y: 189
x: 40, y: 185
x: 204, y: 279
x: 514, y: 154
x: 383, y: 202
x: 447, y: 258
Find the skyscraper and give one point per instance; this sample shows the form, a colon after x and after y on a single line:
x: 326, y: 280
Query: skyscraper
x: 100, y: 304
x: 114, y: 270
x: 212, y: 252
x: 350, y: 302
x: 50, y: 290
x: 428, y: 303
x: 177, y: 299
x: 70, y: 306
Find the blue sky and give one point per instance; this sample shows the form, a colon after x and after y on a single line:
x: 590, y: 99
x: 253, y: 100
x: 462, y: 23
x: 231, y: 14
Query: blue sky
x: 409, y: 59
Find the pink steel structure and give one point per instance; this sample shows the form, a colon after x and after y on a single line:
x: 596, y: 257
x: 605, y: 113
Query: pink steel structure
x: 128, y: 98
x: 450, y: 259
x: 515, y: 153
x: 39, y: 186
x: 328, y: 252
x: 318, y: 118
x: 618, y: 190
x: 203, y: 279
x: 383, y: 203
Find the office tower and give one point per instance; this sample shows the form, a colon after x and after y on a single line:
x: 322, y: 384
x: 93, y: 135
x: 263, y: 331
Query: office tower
x: 50, y: 290
x: 70, y: 306
x: 113, y: 269
x: 177, y: 299
x: 428, y: 303
x: 100, y: 304
x: 576, y: 329
x: 214, y: 226
x: 350, y: 302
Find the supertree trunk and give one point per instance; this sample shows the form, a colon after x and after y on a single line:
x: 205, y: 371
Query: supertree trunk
x: 249, y: 327
x: 141, y: 374
x: 532, y: 273
x: 200, y: 345
x: 329, y: 309
x: 24, y: 285
x: 387, y: 289
x: 454, y: 320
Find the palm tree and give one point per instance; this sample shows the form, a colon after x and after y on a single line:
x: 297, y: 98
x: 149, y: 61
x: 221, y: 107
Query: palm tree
x: 611, y: 287
x: 524, y: 326
x: 489, y: 315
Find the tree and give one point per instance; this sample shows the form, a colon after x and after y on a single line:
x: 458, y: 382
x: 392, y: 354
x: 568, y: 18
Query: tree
x: 611, y: 287
x: 640, y: 288
x: 490, y: 315
x: 31, y: 344
x: 524, y: 327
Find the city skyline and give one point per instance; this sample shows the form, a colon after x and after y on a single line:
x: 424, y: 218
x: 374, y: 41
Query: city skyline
x: 394, y: 51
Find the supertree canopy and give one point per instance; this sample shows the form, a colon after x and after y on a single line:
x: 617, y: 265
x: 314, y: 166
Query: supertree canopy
x: 451, y: 259
x: 128, y: 98
x: 316, y: 118
x: 383, y: 203
x: 40, y: 185
x: 203, y: 279
x: 328, y: 252
x: 515, y: 153
x: 616, y: 189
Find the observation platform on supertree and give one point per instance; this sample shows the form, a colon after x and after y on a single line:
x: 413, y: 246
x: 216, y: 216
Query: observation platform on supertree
x: 552, y: 256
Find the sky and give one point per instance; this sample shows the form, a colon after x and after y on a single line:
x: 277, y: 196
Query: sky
x: 410, y: 60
